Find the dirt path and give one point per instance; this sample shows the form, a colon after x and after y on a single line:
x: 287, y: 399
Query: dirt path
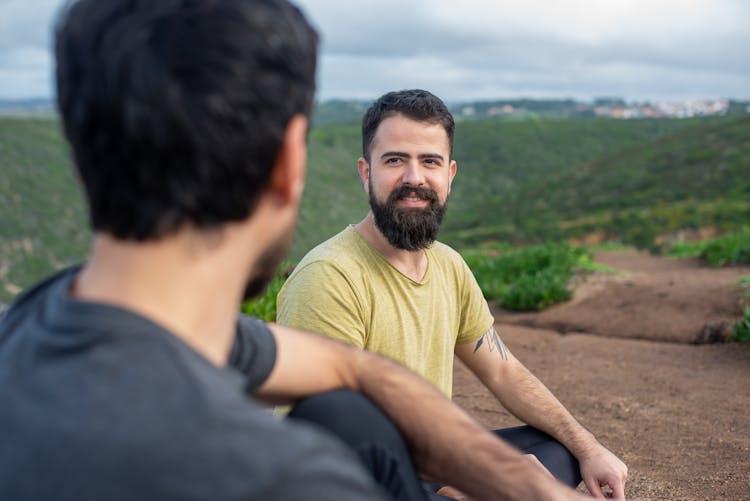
x: 677, y: 413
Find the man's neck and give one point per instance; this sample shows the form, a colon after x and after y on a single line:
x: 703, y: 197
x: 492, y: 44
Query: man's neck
x: 413, y: 264
x: 173, y: 282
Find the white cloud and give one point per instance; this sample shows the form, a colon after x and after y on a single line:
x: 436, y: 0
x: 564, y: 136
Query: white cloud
x: 480, y: 48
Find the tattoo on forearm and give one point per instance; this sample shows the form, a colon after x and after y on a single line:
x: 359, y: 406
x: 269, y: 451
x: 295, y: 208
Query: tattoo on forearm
x: 493, y: 343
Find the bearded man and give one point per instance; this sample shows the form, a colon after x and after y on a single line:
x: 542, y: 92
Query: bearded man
x: 386, y: 285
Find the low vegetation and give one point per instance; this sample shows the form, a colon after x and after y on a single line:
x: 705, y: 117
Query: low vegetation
x: 742, y: 327
x: 530, y: 278
x: 730, y: 249
x: 264, y: 306
x: 520, y: 182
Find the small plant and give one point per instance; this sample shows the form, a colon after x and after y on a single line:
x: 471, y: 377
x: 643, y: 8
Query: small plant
x: 744, y: 284
x: 742, y: 327
x: 732, y: 248
x: 530, y: 278
x: 264, y: 306
x: 687, y: 249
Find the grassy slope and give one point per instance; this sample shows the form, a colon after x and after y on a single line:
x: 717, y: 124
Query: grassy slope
x: 694, y: 177
x: 43, y: 225
x: 511, y: 170
x: 517, y: 181
x: 499, y: 162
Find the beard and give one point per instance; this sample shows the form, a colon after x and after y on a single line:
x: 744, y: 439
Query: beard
x: 267, y: 264
x: 408, y: 228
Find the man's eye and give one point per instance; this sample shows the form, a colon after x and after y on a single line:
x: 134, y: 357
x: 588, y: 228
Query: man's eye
x: 393, y: 160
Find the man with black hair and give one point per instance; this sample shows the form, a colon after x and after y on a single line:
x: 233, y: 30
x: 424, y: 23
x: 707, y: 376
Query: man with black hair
x: 130, y: 377
x: 388, y: 286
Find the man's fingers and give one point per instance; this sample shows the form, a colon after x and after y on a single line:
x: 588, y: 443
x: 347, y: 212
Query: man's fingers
x: 592, y: 485
x: 618, y: 489
x: 606, y: 488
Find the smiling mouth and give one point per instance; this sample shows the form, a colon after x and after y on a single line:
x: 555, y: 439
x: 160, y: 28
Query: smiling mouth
x: 413, y: 198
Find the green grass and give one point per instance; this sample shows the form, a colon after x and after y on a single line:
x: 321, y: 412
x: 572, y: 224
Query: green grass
x: 264, y: 306
x: 686, y: 249
x: 530, y: 278
x: 43, y: 225
x: 729, y: 249
x: 631, y: 188
x: 742, y: 327
x: 744, y: 285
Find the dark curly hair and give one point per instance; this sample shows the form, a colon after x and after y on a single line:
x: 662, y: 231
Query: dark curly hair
x: 176, y: 109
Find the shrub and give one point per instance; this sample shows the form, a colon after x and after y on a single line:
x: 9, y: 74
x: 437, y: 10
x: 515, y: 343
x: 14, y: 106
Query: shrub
x: 732, y: 248
x: 530, y: 278
x: 742, y: 327
x: 536, y: 291
x: 744, y: 284
x: 264, y: 306
x: 686, y: 249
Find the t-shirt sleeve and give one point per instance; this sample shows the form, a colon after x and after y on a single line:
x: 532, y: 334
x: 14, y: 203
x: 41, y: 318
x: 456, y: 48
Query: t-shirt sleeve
x: 320, y: 298
x: 253, y: 351
x: 476, y: 318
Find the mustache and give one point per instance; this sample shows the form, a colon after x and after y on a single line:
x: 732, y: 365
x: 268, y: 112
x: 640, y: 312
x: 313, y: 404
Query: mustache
x: 404, y: 191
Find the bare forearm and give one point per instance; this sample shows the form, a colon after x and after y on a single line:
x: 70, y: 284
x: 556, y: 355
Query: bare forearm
x: 447, y: 443
x: 522, y: 393
x: 529, y: 400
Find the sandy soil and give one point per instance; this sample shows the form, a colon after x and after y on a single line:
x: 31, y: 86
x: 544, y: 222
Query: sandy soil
x: 621, y: 356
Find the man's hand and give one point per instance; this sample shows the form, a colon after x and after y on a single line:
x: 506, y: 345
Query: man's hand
x: 530, y: 401
x: 604, y: 474
x: 454, y: 449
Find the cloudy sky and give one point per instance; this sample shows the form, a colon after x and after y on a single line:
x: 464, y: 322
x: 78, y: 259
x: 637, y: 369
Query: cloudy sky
x: 479, y: 49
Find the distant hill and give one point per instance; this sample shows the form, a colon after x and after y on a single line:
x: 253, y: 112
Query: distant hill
x: 518, y: 181
x: 43, y: 224
x: 506, y: 188
x: 350, y: 111
x: 530, y: 180
x: 33, y: 106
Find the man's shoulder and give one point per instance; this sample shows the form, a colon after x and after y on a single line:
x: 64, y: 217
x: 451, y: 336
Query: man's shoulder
x: 446, y: 255
x: 339, y: 246
x: 342, y: 252
x: 176, y: 426
x: 236, y: 451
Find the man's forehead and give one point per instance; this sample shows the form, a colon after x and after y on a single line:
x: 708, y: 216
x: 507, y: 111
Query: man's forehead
x: 409, y: 133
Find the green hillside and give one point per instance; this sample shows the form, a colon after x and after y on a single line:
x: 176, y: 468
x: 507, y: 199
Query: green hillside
x: 692, y: 178
x: 518, y: 182
x: 500, y: 164
x: 629, y: 179
x: 43, y: 224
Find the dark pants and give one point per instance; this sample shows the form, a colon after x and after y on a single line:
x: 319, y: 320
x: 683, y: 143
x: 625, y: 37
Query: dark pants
x: 377, y: 442
x: 551, y: 453
x: 382, y: 450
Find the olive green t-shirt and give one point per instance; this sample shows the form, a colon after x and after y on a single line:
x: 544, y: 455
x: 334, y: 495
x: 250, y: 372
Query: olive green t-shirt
x: 345, y: 289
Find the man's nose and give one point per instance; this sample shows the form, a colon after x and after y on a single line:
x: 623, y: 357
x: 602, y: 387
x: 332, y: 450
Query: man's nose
x: 413, y: 175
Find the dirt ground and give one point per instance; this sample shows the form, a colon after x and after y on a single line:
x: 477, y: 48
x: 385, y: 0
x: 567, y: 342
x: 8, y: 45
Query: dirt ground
x: 621, y: 356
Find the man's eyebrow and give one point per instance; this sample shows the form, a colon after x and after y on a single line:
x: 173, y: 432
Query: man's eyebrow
x: 431, y: 155
x: 401, y: 154
x: 395, y: 154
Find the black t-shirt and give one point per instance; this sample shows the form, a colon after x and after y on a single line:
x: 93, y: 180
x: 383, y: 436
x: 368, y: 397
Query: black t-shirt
x: 97, y: 402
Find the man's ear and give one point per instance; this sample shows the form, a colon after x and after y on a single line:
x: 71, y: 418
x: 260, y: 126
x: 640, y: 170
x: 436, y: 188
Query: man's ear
x: 452, y: 173
x: 363, y: 167
x: 288, y: 175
